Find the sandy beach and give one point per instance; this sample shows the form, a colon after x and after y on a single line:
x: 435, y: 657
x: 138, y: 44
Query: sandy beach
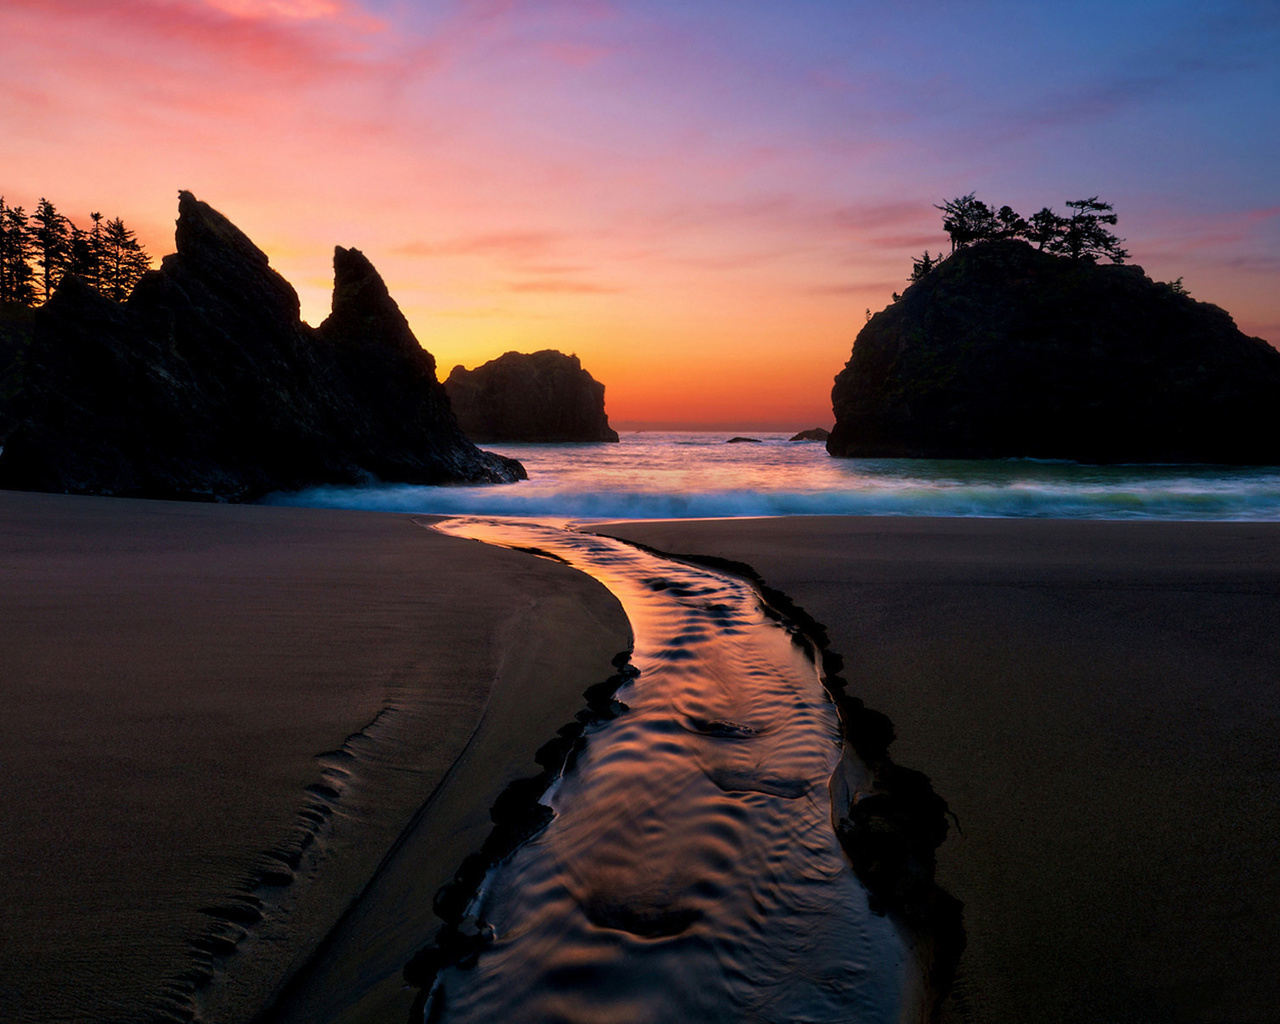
x: 175, y: 677
x: 1099, y: 702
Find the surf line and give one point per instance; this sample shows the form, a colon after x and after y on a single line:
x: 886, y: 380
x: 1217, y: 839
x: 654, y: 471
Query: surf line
x: 691, y: 856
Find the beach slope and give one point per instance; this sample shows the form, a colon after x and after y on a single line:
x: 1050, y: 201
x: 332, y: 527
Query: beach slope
x: 219, y: 719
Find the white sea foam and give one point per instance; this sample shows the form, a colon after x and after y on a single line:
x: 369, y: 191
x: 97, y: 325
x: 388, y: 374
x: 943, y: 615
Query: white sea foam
x: 698, y: 475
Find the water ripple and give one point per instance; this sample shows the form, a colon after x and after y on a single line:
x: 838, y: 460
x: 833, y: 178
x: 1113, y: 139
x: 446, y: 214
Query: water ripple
x: 691, y: 871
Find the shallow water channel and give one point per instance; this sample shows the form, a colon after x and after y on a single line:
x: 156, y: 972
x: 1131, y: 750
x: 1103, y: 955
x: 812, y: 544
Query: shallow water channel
x: 691, y: 871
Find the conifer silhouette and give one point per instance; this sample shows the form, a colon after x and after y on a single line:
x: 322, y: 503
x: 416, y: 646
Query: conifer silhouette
x: 1082, y: 236
x: 17, y: 285
x: 38, y: 250
x: 51, y: 242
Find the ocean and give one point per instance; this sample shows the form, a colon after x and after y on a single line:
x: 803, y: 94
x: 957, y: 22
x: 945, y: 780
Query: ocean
x: 672, y: 475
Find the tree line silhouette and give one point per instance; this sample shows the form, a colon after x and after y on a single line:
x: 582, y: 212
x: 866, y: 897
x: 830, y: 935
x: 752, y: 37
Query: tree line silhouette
x: 37, y: 250
x: 1082, y: 235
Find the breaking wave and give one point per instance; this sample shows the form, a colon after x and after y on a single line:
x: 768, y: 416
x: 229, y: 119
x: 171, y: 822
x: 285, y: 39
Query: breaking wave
x: 683, y: 476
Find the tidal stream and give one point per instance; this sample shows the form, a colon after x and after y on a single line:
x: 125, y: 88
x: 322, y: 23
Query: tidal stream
x: 691, y: 871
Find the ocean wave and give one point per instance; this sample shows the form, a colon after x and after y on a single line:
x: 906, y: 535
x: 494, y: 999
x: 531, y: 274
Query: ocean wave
x: 1247, y: 500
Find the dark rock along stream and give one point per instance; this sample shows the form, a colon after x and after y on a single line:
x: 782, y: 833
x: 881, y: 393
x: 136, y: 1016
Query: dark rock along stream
x: 691, y: 871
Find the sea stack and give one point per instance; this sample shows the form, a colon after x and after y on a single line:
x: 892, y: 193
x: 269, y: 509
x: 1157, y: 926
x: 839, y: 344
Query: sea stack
x: 541, y: 396
x: 1004, y: 351
x: 206, y: 384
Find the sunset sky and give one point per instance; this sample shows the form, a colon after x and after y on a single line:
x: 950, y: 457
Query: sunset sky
x: 698, y: 197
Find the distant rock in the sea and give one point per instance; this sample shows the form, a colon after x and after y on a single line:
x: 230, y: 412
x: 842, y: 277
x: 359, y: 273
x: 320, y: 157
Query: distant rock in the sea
x: 543, y: 396
x: 206, y: 384
x: 1004, y: 351
x: 814, y: 434
x: 744, y: 440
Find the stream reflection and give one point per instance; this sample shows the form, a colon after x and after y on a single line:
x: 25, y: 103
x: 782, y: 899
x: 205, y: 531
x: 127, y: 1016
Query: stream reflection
x: 691, y: 871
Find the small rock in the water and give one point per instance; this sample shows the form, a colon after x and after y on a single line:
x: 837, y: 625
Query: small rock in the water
x: 646, y: 921
x: 721, y: 727
x: 744, y: 440
x: 731, y: 781
x: 815, y: 434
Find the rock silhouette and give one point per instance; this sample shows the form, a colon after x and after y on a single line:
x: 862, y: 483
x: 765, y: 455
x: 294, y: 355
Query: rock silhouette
x: 1004, y: 351
x: 812, y: 434
x: 15, y: 337
x: 206, y: 384
x: 541, y: 396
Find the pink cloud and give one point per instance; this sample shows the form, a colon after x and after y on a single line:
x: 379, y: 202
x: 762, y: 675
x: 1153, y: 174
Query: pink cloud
x: 548, y: 30
x: 1259, y: 264
x: 727, y: 235
x: 1177, y: 232
x: 144, y: 31
x: 299, y: 10
x: 575, y: 55
x: 555, y: 286
x: 138, y: 79
x: 872, y: 216
x: 861, y: 288
x: 514, y: 245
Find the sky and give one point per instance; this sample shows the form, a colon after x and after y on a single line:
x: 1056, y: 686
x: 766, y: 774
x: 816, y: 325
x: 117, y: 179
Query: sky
x: 700, y: 198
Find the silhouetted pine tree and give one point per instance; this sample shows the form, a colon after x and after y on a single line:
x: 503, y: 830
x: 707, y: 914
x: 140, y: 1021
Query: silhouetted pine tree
x: 16, y: 277
x: 95, y: 251
x: 1009, y: 224
x: 920, y: 266
x: 1082, y: 236
x: 80, y: 259
x: 123, y: 260
x: 1045, y: 227
x: 51, y: 241
x: 967, y: 220
x: 85, y: 259
x: 37, y: 251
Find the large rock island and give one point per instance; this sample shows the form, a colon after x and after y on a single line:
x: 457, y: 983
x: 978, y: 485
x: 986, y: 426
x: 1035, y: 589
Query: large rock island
x: 1005, y: 351
x: 207, y: 385
x: 542, y: 396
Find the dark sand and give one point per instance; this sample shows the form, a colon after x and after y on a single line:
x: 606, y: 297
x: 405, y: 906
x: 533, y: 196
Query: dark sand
x: 169, y: 674
x: 356, y: 977
x: 1100, y: 704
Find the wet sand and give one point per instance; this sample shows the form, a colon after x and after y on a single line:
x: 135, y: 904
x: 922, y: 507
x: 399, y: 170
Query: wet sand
x: 174, y: 677
x: 1100, y: 704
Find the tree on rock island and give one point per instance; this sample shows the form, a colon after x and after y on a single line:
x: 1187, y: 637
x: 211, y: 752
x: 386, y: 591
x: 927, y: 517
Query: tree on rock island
x: 1033, y: 345
x: 967, y: 220
x: 1081, y: 236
